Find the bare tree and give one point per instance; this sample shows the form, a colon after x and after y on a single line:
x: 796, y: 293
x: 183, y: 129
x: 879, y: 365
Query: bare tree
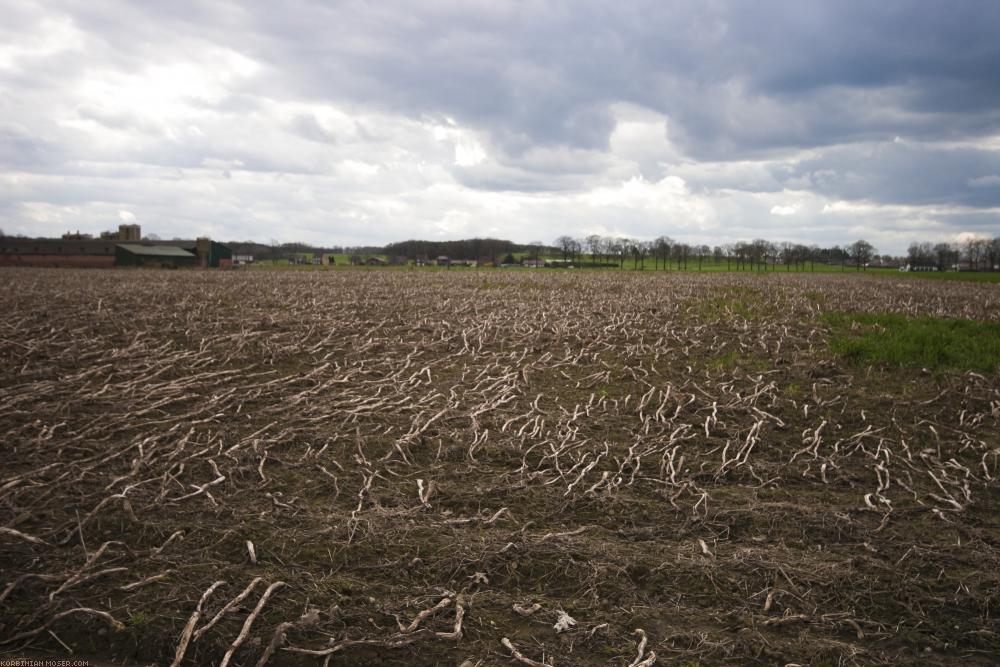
x: 976, y: 252
x: 729, y: 250
x: 623, y: 246
x: 759, y: 251
x: 787, y: 252
x: 661, y: 250
x: 594, y: 244
x: 862, y: 251
x: 565, y: 244
x: 946, y: 255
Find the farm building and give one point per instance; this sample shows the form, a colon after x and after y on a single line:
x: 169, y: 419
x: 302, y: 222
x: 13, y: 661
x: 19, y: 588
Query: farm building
x: 164, y: 257
x: 87, y: 253
x: 74, y: 250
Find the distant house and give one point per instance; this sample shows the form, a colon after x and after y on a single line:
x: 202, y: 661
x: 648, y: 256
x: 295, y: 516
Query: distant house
x: 533, y: 263
x: 442, y: 260
x: 375, y: 261
x: 422, y: 260
x: 463, y: 262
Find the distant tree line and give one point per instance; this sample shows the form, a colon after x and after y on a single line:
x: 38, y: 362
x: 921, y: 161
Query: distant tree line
x: 667, y: 253
x: 275, y: 251
x: 463, y: 249
x: 975, y: 254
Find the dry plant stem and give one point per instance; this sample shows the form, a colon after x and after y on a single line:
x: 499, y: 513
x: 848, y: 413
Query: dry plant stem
x: 456, y: 632
x: 249, y: 622
x: 147, y: 581
x: 395, y: 641
x: 641, y: 649
x: 232, y: 604
x: 647, y: 662
x: 424, y: 615
x: 549, y: 536
x: 78, y: 610
x: 61, y: 642
x: 787, y: 620
x: 276, y: 641
x: 23, y: 536
x: 185, y: 638
x: 520, y: 657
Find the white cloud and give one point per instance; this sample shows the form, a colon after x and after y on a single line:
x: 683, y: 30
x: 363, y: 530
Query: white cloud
x: 469, y: 153
x: 54, y: 35
x: 785, y: 209
x: 965, y: 237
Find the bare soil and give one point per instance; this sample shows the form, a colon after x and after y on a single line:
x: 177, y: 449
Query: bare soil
x: 408, y: 468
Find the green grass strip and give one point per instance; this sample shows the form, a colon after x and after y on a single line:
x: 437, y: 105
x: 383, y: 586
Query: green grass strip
x: 935, y: 343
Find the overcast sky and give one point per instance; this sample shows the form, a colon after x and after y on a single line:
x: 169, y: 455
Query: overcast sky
x: 367, y: 122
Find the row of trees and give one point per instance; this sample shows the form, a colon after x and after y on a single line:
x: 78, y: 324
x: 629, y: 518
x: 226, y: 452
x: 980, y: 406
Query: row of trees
x: 759, y: 254
x: 975, y: 254
x: 463, y: 249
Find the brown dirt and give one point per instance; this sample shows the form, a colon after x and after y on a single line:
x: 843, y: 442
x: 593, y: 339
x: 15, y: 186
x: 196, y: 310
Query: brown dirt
x: 677, y: 453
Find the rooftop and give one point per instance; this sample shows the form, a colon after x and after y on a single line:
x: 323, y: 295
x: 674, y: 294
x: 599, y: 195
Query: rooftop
x: 157, y: 250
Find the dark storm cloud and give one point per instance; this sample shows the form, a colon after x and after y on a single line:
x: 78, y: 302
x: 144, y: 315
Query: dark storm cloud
x: 738, y: 78
x: 543, y: 73
x: 752, y: 97
x: 898, y: 172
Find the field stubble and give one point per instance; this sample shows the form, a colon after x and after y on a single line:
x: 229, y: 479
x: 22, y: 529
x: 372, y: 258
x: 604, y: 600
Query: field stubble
x: 402, y: 468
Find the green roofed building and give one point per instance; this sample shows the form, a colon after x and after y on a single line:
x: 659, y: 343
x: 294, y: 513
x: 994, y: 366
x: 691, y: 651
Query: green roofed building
x: 162, y: 256
x: 126, y: 247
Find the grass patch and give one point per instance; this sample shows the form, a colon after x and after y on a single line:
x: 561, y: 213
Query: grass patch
x: 935, y: 343
x: 963, y: 276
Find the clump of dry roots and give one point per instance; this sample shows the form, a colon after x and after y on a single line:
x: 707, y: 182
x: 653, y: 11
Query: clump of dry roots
x: 488, y: 468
